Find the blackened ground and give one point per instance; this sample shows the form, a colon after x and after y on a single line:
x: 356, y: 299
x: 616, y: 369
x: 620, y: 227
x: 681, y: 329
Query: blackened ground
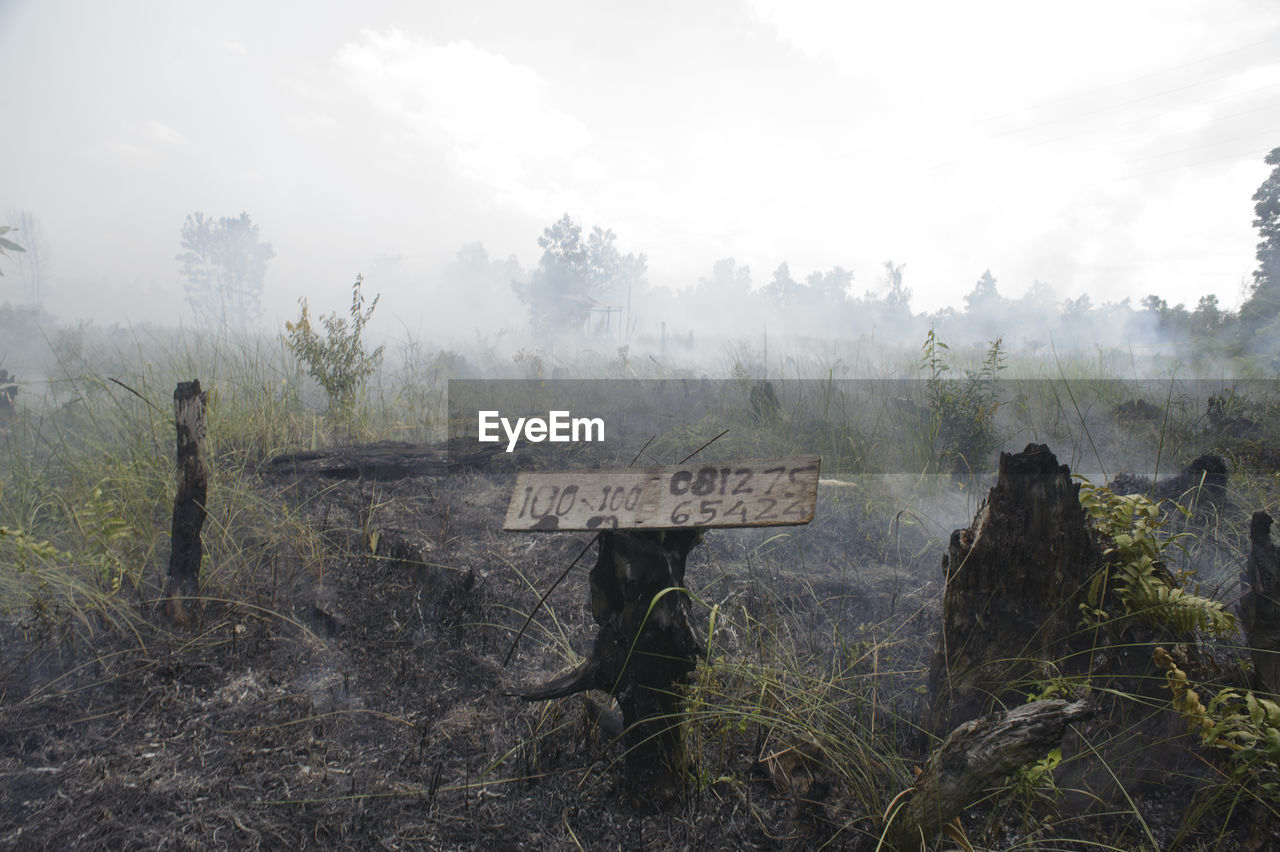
x: 360, y: 701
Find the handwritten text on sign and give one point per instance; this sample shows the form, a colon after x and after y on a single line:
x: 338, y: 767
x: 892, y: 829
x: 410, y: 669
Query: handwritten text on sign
x: 756, y: 493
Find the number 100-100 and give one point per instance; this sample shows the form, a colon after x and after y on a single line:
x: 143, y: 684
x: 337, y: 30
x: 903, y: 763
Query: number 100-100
x: 553, y: 500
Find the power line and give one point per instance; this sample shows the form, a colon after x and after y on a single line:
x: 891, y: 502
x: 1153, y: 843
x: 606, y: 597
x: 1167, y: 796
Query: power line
x: 1222, y: 141
x: 1225, y: 141
x: 1187, y: 105
x: 1139, y: 100
x: 1238, y: 156
x: 1131, y: 121
x: 1275, y: 134
x: 1129, y: 81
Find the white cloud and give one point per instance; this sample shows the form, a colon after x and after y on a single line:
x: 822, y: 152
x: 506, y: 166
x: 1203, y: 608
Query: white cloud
x: 138, y: 143
x: 1077, y: 148
x: 494, y: 118
x: 162, y: 134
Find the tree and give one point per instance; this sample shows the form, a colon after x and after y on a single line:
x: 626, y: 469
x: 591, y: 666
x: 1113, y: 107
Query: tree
x: 783, y: 290
x: 728, y: 282
x: 7, y: 244
x: 486, y: 280
x: 828, y: 290
x: 984, y: 295
x: 31, y: 263
x: 224, y: 265
x: 1208, y: 316
x: 575, y: 276
x: 1264, y: 299
x: 1170, y: 319
x: 897, y: 295
x: 1079, y: 307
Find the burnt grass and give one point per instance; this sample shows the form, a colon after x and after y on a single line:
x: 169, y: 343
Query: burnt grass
x: 364, y: 703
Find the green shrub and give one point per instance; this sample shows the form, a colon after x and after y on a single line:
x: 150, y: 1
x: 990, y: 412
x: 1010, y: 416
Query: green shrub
x: 1135, y: 572
x: 1243, y: 724
x: 338, y: 361
x: 961, y: 430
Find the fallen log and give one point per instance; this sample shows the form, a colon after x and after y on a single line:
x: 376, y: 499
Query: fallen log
x: 975, y: 756
x: 383, y: 461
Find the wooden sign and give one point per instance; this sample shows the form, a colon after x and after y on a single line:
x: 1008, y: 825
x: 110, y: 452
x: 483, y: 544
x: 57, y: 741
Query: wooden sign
x: 756, y: 493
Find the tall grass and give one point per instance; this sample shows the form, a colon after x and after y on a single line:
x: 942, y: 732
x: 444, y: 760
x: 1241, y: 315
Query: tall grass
x: 87, y: 484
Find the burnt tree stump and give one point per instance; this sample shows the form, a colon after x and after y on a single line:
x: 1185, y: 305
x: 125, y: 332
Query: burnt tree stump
x: 1204, y: 481
x: 1013, y: 582
x: 647, y: 520
x: 645, y: 649
x: 1260, y: 607
x: 186, y: 551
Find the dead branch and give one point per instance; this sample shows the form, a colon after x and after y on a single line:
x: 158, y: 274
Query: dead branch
x: 975, y: 756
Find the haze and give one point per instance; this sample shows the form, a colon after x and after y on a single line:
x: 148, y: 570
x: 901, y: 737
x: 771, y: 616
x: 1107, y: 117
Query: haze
x: 1102, y: 149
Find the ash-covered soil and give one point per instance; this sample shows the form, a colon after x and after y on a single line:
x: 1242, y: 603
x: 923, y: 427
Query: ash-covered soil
x: 363, y: 702
x: 360, y: 700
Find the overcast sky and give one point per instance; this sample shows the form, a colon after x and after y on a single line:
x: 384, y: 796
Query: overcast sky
x: 1103, y: 148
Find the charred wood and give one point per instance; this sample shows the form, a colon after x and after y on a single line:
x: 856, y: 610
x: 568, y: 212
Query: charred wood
x: 645, y: 649
x: 1013, y: 582
x: 183, y: 583
x: 975, y: 756
x: 1202, y: 481
x: 1260, y: 607
x: 379, y: 462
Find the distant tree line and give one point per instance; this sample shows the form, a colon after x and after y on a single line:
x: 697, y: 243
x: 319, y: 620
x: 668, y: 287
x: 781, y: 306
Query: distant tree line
x: 1253, y: 330
x: 580, y: 276
x: 584, y: 284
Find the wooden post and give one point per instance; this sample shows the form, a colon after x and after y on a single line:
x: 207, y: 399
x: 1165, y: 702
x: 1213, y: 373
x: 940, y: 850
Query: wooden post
x: 1260, y: 608
x: 645, y: 650
x: 649, y: 519
x: 189, y: 503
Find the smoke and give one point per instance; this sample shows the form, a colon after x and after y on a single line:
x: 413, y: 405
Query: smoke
x: 796, y: 325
